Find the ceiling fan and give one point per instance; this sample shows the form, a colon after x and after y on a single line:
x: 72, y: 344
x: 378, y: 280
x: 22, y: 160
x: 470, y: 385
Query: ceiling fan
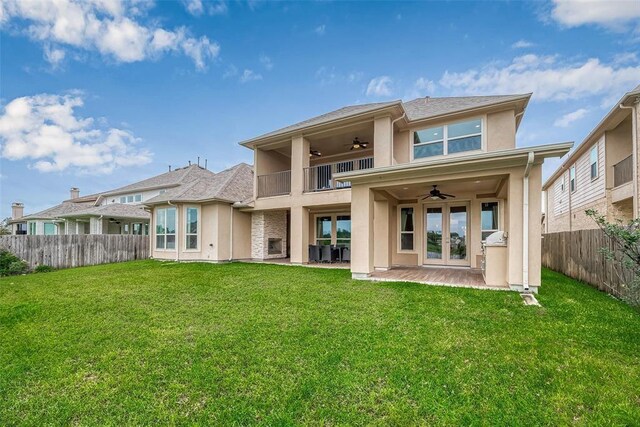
x: 356, y: 144
x: 435, y: 194
x: 314, y: 153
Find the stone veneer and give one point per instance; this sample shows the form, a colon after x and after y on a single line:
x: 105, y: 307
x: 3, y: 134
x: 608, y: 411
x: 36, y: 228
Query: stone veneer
x: 266, y: 225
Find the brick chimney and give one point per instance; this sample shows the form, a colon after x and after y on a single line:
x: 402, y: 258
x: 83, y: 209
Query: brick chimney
x: 17, y: 210
x: 74, y: 192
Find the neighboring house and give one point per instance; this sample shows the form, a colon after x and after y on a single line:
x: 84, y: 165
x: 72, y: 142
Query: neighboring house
x: 119, y: 211
x: 601, y: 173
x: 360, y: 177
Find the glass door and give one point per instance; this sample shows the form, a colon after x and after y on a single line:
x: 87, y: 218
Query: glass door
x: 434, y: 226
x: 446, y: 234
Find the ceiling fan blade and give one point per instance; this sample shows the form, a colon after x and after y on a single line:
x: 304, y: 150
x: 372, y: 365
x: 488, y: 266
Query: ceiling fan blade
x: 425, y: 197
x: 352, y: 147
x: 442, y: 197
x: 448, y: 195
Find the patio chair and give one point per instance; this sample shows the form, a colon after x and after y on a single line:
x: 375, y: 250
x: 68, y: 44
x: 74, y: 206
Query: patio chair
x: 325, y: 253
x: 314, y: 253
x: 346, y: 255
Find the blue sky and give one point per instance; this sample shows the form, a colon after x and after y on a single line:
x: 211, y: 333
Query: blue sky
x: 101, y: 93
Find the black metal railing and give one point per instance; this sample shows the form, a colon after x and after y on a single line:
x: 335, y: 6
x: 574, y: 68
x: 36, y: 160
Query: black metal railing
x: 320, y: 178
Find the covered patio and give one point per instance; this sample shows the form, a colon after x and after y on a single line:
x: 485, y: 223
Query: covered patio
x: 440, y: 276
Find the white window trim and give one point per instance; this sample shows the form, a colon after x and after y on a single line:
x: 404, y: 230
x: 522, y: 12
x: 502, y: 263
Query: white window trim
x: 445, y: 130
x: 575, y: 179
x: 400, y: 232
x: 334, y: 226
x: 155, y: 230
x: 186, y: 226
x: 597, y: 163
x: 500, y: 227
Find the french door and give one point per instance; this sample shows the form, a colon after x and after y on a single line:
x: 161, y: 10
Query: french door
x: 446, y: 229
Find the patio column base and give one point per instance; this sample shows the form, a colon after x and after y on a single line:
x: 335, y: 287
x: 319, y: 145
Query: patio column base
x: 360, y: 276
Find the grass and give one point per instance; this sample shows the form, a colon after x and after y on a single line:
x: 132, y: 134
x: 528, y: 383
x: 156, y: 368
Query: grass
x: 151, y: 343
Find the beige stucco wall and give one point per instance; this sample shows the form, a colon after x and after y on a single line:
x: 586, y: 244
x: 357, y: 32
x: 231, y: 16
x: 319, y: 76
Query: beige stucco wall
x: 214, y: 239
x: 501, y: 130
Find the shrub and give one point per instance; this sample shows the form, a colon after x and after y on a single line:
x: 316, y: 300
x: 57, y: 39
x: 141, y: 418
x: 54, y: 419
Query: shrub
x: 43, y: 269
x: 10, y: 264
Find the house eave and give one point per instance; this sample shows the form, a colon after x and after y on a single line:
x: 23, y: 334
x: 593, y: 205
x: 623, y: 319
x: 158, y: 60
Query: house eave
x: 482, y: 161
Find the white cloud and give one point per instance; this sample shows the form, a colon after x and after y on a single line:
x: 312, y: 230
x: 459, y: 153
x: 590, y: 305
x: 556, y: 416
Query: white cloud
x: 112, y: 28
x: 569, y: 118
x: 197, y: 7
x: 53, y: 56
x: 249, y: 75
x: 231, y: 71
x: 613, y: 14
x: 329, y: 75
x: 44, y: 129
x: 266, y: 62
x: 425, y: 85
x: 320, y: 29
x: 548, y: 78
x: 380, y: 86
x: 522, y: 44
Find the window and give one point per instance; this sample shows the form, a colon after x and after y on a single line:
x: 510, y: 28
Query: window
x: 49, y: 229
x: 136, y: 229
x: 450, y: 139
x: 572, y: 179
x: 406, y: 229
x: 594, y: 162
x: 191, y: 233
x: 489, y: 219
x: 343, y: 231
x: 323, y: 230
x: 129, y: 199
x: 123, y: 199
x: 166, y: 228
x: 126, y: 229
x: 137, y: 198
x: 562, y: 184
x: 32, y: 228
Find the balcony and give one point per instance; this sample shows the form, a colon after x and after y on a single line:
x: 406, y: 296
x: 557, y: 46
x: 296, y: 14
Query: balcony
x: 623, y: 172
x: 320, y: 178
x: 274, y: 184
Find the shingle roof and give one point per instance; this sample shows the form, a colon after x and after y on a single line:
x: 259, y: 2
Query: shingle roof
x: 232, y: 185
x: 112, y: 210
x: 417, y: 109
x: 167, y: 179
x: 424, y: 108
x: 340, y: 113
x: 61, y: 209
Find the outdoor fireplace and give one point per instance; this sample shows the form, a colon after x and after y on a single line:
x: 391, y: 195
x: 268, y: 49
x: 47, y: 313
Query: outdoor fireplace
x: 274, y: 246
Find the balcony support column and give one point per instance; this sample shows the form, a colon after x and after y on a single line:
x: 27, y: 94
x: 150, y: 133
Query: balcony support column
x: 382, y: 147
x: 299, y: 233
x: 299, y: 161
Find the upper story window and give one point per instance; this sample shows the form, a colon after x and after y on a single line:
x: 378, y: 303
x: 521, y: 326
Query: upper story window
x: 131, y: 198
x: 572, y: 178
x: 593, y: 162
x: 448, y: 139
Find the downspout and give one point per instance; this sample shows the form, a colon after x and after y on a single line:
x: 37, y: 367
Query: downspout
x: 393, y: 122
x: 177, y: 229
x: 231, y: 234
x: 525, y: 223
x: 634, y: 151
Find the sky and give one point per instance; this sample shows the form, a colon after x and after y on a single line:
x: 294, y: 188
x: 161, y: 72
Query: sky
x: 97, y: 94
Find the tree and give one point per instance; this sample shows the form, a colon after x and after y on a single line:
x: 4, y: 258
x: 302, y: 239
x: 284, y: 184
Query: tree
x: 626, y: 252
x: 5, y: 228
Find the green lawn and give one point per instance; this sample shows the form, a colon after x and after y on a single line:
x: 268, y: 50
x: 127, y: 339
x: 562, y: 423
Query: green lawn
x: 149, y: 343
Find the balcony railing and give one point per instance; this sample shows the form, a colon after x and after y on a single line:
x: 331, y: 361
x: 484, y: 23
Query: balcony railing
x: 320, y: 178
x: 623, y: 171
x: 274, y: 184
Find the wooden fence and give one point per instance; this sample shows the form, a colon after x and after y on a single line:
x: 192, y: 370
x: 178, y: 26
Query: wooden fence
x: 76, y: 250
x: 578, y: 254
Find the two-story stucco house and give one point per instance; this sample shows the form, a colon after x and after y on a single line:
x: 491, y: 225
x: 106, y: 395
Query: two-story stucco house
x: 385, y: 186
x: 601, y: 173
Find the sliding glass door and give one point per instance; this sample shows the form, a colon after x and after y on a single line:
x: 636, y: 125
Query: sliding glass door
x: 446, y: 234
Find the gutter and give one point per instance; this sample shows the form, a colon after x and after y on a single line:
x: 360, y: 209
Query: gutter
x: 634, y: 151
x: 525, y: 222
